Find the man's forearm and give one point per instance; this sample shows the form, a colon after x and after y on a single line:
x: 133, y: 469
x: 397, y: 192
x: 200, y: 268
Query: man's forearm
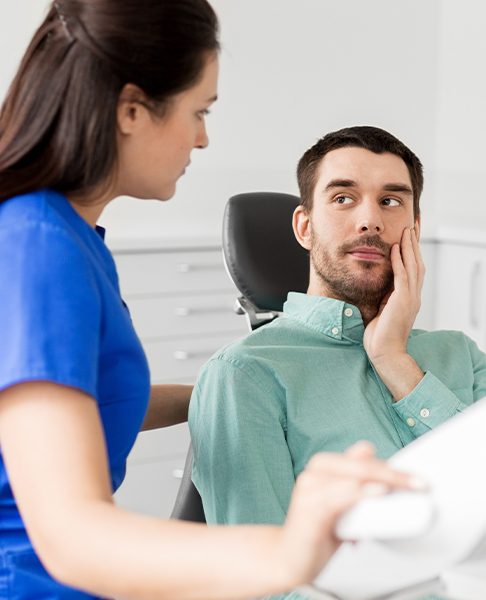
x: 169, y: 404
x: 400, y: 373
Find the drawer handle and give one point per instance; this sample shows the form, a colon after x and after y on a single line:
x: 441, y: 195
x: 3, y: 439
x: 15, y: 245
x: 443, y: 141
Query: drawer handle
x: 178, y: 473
x: 186, y: 311
x: 188, y: 267
x: 185, y: 355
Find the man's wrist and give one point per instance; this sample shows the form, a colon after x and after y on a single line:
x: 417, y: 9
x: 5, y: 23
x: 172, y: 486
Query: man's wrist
x: 399, y: 372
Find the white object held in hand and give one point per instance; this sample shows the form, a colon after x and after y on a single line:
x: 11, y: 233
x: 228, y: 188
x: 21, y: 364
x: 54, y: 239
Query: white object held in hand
x: 399, y: 544
x: 392, y: 516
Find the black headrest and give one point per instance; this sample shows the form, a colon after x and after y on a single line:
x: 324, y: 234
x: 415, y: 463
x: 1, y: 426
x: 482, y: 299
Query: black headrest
x: 261, y: 253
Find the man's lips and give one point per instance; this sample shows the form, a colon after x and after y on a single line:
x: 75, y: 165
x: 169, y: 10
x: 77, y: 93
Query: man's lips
x: 367, y: 253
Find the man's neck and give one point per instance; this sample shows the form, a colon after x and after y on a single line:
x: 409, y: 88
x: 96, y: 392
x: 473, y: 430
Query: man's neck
x: 368, y: 311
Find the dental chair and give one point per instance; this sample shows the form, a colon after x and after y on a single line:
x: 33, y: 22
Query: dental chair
x: 265, y: 262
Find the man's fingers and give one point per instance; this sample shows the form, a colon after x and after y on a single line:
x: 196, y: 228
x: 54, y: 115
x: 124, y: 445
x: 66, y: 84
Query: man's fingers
x: 409, y: 259
x: 399, y: 272
x: 419, y: 259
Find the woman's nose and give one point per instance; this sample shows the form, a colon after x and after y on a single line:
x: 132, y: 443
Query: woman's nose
x: 202, y: 140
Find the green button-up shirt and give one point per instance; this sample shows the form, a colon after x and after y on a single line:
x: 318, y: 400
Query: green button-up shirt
x: 265, y: 404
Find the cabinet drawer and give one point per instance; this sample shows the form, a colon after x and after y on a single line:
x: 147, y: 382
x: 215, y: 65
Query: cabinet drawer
x: 169, y: 272
x: 182, y: 358
x: 165, y: 443
x: 150, y: 487
x: 166, y: 316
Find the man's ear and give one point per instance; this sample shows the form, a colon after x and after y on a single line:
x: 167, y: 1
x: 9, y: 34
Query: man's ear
x: 131, y: 109
x: 302, y: 227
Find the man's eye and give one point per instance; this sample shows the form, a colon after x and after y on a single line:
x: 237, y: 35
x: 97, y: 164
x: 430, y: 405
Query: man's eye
x: 343, y: 200
x: 390, y: 202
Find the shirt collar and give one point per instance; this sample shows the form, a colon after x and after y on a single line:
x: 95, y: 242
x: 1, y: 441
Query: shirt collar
x: 334, y: 318
x: 101, y: 231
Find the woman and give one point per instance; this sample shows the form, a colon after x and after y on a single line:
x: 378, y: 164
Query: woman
x: 110, y: 100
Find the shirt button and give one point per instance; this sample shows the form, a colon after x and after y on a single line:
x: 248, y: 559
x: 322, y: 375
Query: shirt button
x: 425, y: 412
x: 411, y: 422
x: 334, y: 331
x: 348, y: 312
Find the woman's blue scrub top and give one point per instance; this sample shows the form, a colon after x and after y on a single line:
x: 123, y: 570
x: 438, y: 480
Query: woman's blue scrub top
x: 62, y: 319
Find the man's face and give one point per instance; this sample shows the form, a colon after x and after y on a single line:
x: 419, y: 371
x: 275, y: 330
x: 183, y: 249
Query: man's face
x: 361, y: 205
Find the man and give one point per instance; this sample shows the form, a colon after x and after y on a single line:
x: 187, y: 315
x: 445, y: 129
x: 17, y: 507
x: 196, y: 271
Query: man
x: 342, y: 363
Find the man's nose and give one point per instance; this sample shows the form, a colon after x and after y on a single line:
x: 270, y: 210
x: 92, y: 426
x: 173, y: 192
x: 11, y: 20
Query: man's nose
x: 370, y: 219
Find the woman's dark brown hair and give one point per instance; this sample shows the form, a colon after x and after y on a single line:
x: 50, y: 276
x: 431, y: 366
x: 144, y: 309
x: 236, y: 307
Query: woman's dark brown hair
x: 58, y: 121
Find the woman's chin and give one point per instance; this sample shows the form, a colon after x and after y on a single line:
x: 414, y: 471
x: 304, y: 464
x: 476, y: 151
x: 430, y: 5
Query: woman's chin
x: 163, y: 196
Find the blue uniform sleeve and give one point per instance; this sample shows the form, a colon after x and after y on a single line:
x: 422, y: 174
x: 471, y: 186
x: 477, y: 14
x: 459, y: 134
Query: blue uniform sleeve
x: 50, y: 309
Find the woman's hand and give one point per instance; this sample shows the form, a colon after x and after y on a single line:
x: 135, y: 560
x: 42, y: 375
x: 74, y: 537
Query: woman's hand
x: 330, y: 484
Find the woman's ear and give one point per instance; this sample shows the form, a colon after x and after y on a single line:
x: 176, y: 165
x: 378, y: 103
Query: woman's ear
x: 131, y: 109
x: 302, y: 227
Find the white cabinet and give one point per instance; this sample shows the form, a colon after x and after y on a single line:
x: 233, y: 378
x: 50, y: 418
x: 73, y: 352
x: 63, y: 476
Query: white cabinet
x: 154, y: 471
x: 461, y: 289
x: 181, y: 302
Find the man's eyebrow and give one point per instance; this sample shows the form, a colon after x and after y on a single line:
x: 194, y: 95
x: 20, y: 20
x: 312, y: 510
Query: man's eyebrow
x: 388, y: 187
x: 398, y: 187
x: 340, y: 183
x: 212, y: 99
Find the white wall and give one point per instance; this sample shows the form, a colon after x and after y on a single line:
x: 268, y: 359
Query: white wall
x: 18, y: 21
x: 291, y: 70
x: 461, y: 114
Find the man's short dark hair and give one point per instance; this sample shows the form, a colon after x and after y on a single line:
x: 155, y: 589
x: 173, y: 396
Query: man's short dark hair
x: 370, y: 138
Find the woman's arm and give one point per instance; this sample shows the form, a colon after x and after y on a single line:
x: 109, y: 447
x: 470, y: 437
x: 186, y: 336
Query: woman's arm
x: 53, y: 445
x: 168, y: 406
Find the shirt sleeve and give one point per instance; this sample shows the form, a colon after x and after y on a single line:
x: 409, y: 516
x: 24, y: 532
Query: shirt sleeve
x: 433, y: 402
x: 50, y: 309
x: 242, y: 464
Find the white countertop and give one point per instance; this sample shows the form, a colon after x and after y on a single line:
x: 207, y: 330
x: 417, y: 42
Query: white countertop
x: 471, y: 236
x: 167, y: 243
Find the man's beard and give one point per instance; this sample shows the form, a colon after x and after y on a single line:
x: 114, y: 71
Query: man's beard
x: 363, y: 286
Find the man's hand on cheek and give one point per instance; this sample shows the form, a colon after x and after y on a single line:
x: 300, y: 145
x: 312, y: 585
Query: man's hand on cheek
x: 386, y: 336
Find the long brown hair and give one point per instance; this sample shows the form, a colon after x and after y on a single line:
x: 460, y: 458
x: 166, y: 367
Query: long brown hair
x: 58, y: 121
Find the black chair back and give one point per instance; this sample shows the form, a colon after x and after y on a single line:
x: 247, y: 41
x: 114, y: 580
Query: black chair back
x: 188, y: 504
x: 262, y: 256
x: 265, y: 262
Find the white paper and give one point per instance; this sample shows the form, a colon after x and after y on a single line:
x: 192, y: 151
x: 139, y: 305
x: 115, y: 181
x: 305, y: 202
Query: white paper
x: 452, y: 458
